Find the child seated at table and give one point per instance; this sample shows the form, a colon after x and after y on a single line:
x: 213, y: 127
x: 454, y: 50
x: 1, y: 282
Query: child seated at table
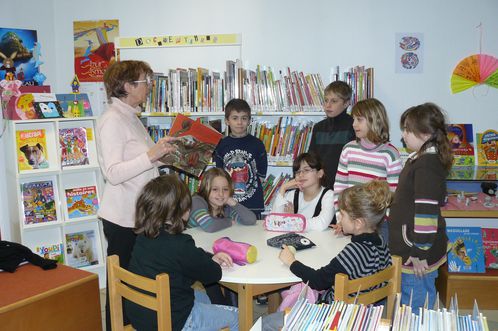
x: 162, y: 210
x: 213, y: 207
x: 362, y: 208
x: 306, y: 194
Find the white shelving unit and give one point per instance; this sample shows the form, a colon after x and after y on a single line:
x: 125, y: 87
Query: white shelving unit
x: 61, y: 227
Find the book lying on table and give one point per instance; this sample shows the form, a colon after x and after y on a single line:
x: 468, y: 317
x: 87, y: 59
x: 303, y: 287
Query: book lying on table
x: 195, y: 145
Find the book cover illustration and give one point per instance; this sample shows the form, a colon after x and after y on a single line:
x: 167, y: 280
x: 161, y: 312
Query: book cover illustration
x: 21, y: 107
x: 81, y: 249
x: 490, y: 245
x: 38, y: 200
x: 93, y: 48
x: 195, y: 146
x: 461, y: 139
x: 74, y: 148
x: 75, y: 105
x: 21, y: 47
x: 46, y: 105
x: 82, y: 201
x: 31, y: 149
x: 487, y: 148
x: 52, y: 252
x: 466, y: 253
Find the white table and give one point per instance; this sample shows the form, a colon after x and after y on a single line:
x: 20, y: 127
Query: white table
x: 268, y: 273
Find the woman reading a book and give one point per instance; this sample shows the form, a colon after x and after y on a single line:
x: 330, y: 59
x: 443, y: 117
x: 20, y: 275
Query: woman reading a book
x: 127, y: 155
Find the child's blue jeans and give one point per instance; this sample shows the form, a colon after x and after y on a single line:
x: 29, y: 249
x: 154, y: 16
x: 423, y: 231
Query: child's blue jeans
x: 206, y: 317
x: 420, y: 287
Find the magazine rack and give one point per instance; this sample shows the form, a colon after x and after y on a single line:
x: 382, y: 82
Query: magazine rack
x: 54, y: 188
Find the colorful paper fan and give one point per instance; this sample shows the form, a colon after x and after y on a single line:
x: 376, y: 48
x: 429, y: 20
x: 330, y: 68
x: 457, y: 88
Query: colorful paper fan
x: 473, y: 70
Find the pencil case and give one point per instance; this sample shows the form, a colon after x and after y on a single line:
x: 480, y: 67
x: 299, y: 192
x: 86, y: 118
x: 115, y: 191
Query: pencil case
x: 282, y: 222
x: 241, y: 253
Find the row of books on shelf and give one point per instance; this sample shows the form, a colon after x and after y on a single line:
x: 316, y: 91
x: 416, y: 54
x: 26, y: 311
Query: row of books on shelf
x: 36, y: 102
x: 286, y: 139
x: 32, y: 151
x: 360, y: 79
x: 341, y: 316
x: 271, y: 186
x: 80, y: 249
x: 40, y: 199
x: 437, y: 319
x: 472, y: 249
x: 201, y: 90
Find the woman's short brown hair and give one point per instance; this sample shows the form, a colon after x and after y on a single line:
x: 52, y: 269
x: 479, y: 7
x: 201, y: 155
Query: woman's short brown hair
x: 120, y: 73
x: 161, y: 205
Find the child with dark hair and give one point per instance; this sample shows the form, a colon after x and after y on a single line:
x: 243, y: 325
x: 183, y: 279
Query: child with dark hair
x: 162, y: 210
x: 243, y: 156
x: 417, y: 229
x: 305, y: 194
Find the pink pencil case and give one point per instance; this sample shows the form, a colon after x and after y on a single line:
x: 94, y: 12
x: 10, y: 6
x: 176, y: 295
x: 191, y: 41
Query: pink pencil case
x: 281, y: 222
x: 241, y: 253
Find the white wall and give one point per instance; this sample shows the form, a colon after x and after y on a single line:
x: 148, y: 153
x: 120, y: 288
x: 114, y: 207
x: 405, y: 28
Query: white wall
x: 312, y: 36
x: 32, y: 15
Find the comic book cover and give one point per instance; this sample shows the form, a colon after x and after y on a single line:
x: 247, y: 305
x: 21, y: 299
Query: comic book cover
x: 51, y: 251
x: 490, y: 244
x: 461, y: 139
x: 466, y: 253
x: 38, y: 200
x: 93, y: 48
x: 74, y: 148
x: 46, y: 105
x: 75, y: 105
x: 31, y: 149
x: 487, y: 148
x: 195, y: 146
x: 81, y: 249
x: 82, y: 201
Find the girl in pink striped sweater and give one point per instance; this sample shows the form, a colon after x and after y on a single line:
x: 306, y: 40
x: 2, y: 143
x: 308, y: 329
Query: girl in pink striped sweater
x: 370, y: 156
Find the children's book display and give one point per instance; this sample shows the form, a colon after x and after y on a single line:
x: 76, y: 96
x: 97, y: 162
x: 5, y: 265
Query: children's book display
x: 31, y: 149
x: 461, y: 138
x: 195, y: 145
x: 73, y: 144
x: 75, y: 104
x: 46, y: 105
x: 487, y: 148
x: 466, y: 253
x: 490, y: 246
x: 82, y: 201
x: 38, y: 201
x: 20, y: 106
x: 81, y: 249
x: 52, y: 252
x: 271, y: 186
x: 335, y: 316
x: 437, y: 319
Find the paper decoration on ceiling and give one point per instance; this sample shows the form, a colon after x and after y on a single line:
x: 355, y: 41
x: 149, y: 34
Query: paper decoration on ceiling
x: 475, y: 70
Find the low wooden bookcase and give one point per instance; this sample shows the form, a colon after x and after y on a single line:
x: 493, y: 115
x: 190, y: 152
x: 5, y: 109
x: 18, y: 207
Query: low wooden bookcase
x: 468, y: 286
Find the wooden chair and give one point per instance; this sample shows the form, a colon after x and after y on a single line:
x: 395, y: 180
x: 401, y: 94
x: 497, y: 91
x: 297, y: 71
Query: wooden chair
x: 392, y: 275
x: 119, y: 281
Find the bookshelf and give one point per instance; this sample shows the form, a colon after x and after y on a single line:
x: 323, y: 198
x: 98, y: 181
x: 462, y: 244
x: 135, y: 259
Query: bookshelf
x: 55, y: 200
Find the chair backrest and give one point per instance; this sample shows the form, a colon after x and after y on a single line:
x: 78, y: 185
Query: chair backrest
x: 392, y: 275
x: 122, y: 283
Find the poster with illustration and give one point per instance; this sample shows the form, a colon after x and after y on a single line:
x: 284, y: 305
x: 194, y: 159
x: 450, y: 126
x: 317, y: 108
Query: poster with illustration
x: 93, y: 48
x: 18, y: 55
x: 409, y: 53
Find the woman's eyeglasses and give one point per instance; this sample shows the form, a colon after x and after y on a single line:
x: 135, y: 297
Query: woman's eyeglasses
x: 147, y: 80
x: 303, y: 171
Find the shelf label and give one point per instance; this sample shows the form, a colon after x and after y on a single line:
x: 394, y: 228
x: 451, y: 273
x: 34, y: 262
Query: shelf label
x: 178, y: 41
